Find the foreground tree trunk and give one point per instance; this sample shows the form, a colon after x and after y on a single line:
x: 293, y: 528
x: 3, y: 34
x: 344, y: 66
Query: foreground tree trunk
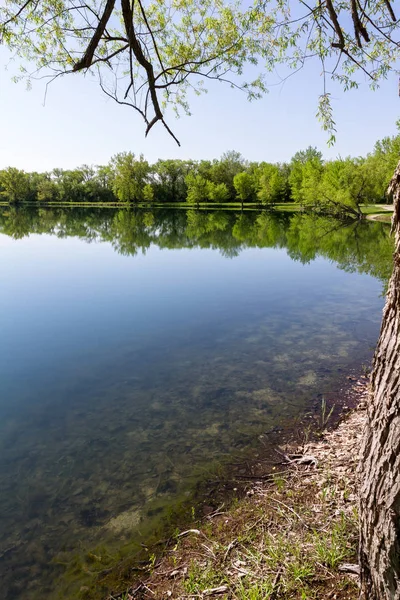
x: 380, y: 454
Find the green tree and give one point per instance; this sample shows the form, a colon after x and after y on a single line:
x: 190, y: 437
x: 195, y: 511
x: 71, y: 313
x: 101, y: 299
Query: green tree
x: 380, y: 165
x: 310, y: 153
x: 131, y: 176
x: 306, y: 169
x: 297, y: 171
x: 218, y: 192
x: 105, y: 177
x: 344, y: 186
x: 148, y: 193
x: 271, y: 183
x: 47, y: 190
x: 14, y: 185
x: 197, y: 189
x: 244, y: 186
x: 70, y: 184
x: 169, y: 180
x: 224, y: 170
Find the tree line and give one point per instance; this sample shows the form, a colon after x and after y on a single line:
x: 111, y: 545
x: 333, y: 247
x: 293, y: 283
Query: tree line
x: 333, y: 186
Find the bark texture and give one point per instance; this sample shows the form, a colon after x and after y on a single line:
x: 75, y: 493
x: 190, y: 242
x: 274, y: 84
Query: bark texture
x: 380, y: 455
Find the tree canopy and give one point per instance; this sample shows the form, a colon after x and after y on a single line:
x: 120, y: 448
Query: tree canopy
x: 149, y: 54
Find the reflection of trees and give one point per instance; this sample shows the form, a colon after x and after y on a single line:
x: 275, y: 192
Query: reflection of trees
x: 356, y: 246
x: 17, y: 224
x: 131, y: 232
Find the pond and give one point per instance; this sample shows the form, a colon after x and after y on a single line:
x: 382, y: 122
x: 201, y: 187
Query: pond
x: 140, y: 351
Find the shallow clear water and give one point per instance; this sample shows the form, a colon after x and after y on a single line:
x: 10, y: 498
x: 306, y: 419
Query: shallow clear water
x: 125, y: 377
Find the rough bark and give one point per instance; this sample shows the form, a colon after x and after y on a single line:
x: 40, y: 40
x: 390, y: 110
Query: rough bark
x: 380, y: 455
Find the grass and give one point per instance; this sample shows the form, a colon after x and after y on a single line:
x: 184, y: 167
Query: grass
x: 331, y: 548
x: 258, y: 591
x: 287, y: 207
x: 200, y: 578
x: 374, y: 209
x: 325, y: 414
x: 268, y: 552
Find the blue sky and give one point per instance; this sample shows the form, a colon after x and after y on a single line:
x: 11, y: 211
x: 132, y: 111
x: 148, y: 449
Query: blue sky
x: 79, y: 125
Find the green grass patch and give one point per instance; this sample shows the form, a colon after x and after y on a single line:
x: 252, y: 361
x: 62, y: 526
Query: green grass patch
x: 375, y: 209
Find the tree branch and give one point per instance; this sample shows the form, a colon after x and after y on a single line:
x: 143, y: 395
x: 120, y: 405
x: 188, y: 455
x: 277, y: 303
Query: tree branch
x: 390, y: 9
x: 86, y: 60
x: 148, y: 67
x: 335, y: 23
x: 358, y: 26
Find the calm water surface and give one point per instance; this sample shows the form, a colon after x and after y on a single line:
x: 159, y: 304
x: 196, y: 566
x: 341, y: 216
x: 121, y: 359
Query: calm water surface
x: 126, y: 376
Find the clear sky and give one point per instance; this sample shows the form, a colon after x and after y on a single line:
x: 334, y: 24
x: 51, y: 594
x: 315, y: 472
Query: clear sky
x: 79, y: 125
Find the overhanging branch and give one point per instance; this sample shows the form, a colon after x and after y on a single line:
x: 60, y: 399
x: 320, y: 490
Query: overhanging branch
x: 87, y: 59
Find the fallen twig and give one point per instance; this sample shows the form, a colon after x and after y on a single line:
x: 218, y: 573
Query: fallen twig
x: 231, y: 545
x: 218, y: 590
x: 196, y: 531
x: 349, y: 568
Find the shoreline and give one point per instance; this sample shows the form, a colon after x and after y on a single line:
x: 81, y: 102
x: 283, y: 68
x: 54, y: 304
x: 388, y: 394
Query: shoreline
x: 292, y: 532
x: 372, y: 212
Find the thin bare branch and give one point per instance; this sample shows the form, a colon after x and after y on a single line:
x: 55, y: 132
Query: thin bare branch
x: 17, y: 14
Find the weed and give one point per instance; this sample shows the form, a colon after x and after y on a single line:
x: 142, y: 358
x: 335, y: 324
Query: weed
x: 325, y: 416
x: 280, y: 482
x: 152, y: 562
x: 198, y: 579
x: 331, y: 548
x: 307, y: 431
x: 365, y: 369
x: 255, y: 591
x: 299, y: 571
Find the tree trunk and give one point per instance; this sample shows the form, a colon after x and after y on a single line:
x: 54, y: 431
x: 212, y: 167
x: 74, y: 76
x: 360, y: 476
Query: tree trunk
x: 380, y: 453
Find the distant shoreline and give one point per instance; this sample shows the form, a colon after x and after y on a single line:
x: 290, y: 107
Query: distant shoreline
x: 373, y: 212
